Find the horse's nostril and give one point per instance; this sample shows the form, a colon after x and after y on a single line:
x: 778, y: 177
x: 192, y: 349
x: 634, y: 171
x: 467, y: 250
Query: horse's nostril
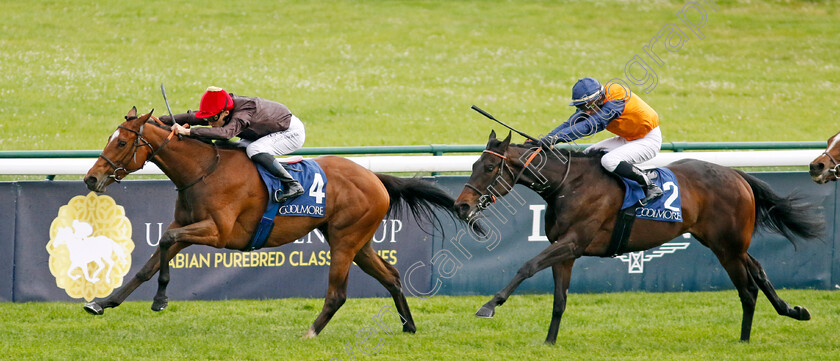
x: 462, y: 208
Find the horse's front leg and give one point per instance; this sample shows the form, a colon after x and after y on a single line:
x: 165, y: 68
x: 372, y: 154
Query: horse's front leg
x: 144, y: 274
x: 204, y: 232
x: 561, y: 251
x: 562, y: 276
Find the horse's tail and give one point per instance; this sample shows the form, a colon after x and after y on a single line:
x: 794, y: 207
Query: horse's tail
x: 788, y: 216
x: 421, y: 197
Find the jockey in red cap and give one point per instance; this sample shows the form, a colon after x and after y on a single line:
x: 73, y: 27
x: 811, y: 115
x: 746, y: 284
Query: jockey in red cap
x: 265, y: 128
x: 616, y: 109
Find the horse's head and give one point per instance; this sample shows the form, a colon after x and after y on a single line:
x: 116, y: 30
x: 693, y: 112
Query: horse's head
x: 825, y: 167
x: 484, y: 184
x: 126, y: 152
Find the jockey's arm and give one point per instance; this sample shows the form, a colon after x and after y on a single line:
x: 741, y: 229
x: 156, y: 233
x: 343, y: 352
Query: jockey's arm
x: 229, y: 130
x: 183, y: 118
x: 582, y: 125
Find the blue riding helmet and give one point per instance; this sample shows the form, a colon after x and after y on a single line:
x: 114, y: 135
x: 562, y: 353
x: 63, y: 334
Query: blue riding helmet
x: 585, y: 91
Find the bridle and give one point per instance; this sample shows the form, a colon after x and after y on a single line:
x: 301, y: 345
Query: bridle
x: 836, y: 168
x: 119, y: 172
x: 485, y: 199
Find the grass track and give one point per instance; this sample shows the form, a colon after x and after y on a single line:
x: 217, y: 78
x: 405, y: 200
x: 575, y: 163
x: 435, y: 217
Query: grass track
x: 619, y: 326
x: 406, y: 72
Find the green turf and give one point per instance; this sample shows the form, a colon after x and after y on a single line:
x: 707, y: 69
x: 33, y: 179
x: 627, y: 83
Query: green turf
x: 406, y: 72
x: 619, y: 326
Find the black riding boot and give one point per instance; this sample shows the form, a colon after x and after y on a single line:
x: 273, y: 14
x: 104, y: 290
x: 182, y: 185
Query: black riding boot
x: 290, y: 185
x: 629, y: 171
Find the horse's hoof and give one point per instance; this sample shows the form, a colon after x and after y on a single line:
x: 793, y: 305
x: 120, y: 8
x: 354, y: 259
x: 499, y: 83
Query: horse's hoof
x: 158, y: 306
x: 803, y: 314
x: 94, y: 308
x: 409, y: 328
x: 309, y: 334
x: 485, y: 312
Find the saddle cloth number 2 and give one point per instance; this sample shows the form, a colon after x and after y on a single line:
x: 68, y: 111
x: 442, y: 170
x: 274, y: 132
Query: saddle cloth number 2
x: 673, y: 197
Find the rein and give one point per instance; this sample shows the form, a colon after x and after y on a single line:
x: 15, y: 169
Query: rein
x: 137, y: 144
x: 210, y: 171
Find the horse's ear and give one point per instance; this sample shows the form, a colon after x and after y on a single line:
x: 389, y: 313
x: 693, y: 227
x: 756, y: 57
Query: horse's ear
x: 131, y: 113
x: 506, y: 142
x: 492, y: 134
x: 143, y: 118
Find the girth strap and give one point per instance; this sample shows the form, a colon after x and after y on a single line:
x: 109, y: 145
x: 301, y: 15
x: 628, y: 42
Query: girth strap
x: 621, y: 232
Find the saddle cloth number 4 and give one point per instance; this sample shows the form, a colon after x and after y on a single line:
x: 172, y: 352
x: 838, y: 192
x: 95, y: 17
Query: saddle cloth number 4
x: 316, y: 190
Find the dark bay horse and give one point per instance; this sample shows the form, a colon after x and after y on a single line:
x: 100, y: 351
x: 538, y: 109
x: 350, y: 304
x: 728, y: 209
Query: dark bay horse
x: 825, y: 167
x: 221, y: 199
x: 721, y: 207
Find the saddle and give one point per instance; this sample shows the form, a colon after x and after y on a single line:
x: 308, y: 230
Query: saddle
x: 290, y: 160
x: 310, y: 204
x: 666, y: 208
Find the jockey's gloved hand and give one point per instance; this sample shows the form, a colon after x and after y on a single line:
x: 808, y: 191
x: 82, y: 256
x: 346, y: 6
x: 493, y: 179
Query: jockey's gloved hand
x: 547, y: 141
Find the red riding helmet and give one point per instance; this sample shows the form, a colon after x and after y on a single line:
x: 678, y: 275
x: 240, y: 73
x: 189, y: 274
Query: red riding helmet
x: 214, y: 101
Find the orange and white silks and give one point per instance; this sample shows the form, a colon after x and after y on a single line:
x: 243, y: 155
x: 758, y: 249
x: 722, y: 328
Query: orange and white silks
x: 637, y: 119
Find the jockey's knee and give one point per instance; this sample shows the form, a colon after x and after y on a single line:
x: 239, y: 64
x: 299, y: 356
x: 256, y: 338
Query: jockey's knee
x: 610, y: 163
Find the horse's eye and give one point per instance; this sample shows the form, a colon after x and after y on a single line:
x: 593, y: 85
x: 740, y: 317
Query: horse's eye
x: 121, y: 143
x: 490, y: 167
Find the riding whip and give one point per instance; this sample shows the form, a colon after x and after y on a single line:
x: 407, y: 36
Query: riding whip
x: 506, y: 126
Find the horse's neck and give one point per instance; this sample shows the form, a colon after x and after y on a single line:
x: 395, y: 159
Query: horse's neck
x: 551, y: 169
x: 560, y: 170
x: 182, y: 160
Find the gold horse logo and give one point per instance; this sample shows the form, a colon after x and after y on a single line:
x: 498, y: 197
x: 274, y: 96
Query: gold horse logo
x: 90, y: 246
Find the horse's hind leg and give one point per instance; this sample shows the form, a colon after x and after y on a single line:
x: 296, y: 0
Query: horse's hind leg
x: 149, y: 269
x: 388, y: 276
x: 336, y: 291
x: 782, y: 307
x: 736, y: 267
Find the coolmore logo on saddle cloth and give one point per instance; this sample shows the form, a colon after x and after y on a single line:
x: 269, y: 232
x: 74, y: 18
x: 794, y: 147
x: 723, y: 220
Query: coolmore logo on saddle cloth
x: 312, y: 203
x: 666, y: 208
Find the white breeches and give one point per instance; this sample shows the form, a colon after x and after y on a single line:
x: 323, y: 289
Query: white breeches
x: 631, y: 151
x: 280, y: 143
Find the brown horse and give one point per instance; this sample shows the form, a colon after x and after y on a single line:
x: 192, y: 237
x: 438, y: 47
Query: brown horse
x: 825, y: 167
x: 720, y: 206
x: 221, y: 199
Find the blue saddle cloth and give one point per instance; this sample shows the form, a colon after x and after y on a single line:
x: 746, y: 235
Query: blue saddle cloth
x: 312, y: 203
x: 665, y: 208
x: 310, y: 175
